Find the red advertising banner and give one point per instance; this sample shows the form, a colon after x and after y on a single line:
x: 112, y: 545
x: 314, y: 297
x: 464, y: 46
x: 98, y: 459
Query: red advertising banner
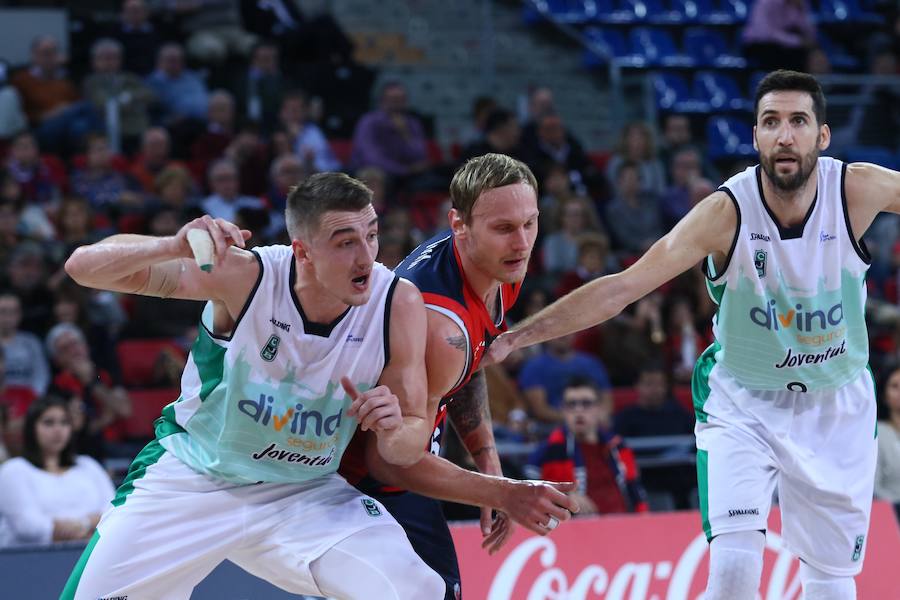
x: 647, y: 557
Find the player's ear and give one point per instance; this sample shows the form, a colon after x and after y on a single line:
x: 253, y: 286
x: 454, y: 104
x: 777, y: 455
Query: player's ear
x: 457, y: 222
x: 824, y: 137
x: 301, y: 250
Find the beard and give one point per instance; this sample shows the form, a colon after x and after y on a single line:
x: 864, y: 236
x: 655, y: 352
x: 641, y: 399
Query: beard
x: 791, y: 183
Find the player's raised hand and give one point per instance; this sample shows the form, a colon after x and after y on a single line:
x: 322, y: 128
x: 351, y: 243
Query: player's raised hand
x: 222, y: 233
x: 377, y: 409
x: 539, y: 505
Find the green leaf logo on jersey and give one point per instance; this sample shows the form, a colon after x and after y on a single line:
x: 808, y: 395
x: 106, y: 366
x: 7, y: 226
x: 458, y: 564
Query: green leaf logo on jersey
x: 270, y: 349
x: 371, y: 507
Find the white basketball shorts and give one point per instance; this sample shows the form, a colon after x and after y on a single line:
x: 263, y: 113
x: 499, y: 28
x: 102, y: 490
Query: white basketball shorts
x: 817, y: 448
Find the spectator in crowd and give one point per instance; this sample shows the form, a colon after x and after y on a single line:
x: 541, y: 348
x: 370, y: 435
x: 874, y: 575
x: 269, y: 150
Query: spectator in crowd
x: 390, y: 138
x: 250, y: 154
x: 24, y: 220
x: 586, y: 450
x: 122, y: 97
x: 98, y: 315
x: 38, y: 182
x: 225, y: 197
x: 817, y: 62
x: 474, y: 132
x: 153, y: 159
x: 540, y: 102
x: 636, y: 146
x: 181, y: 93
x: 543, y: 377
x: 220, y: 131
x: 778, y: 34
x: 213, y: 28
x: 174, y: 188
x: 656, y: 413
x: 51, y: 494
x: 559, y: 250
x: 307, y: 140
x: 376, y: 180
x: 554, y: 145
x: 501, y: 136
x: 286, y: 172
x: 684, y: 169
x: 260, y: 88
x: 676, y: 134
x: 75, y: 226
x: 26, y: 276
x: 79, y: 379
x: 633, y: 216
x: 887, y: 472
x: 104, y: 187
x: 51, y: 100
x: 25, y: 364
x: 12, y: 117
x: 139, y: 37
x: 593, y: 262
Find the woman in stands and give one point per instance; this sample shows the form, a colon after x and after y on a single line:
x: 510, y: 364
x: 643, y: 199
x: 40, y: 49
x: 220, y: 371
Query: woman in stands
x: 887, y: 470
x: 49, y: 494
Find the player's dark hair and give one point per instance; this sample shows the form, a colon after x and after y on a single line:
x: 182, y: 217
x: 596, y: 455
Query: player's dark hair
x: 792, y: 81
x: 483, y: 173
x: 580, y: 381
x: 319, y: 194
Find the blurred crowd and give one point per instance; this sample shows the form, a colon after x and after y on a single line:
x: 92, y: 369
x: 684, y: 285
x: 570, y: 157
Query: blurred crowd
x: 179, y: 109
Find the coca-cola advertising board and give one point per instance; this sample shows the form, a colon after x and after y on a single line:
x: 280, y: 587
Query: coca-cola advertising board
x: 661, y: 556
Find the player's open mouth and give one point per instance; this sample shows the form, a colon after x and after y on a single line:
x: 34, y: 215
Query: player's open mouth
x: 514, y: 263
x: 785, y: 160
x: 361, y: 282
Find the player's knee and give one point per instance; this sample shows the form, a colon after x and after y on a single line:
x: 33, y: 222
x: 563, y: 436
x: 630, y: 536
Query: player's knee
x: 735, y: 566
x: 818, y: 585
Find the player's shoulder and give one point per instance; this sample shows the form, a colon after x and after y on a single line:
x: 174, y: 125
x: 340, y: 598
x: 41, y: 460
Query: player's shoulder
x: 406, y: 296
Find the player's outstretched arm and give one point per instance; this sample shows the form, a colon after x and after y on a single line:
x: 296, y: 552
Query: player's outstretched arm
x: 529, y: 503
x: 396, y: 410
x: 165, y: 267
x: 707, y: 230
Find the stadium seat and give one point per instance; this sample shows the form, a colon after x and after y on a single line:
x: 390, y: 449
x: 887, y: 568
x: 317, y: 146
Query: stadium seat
x: 608, y: 46
x: 651, y: 11
x: 561, y: 11
x: 137, y: 359
x: 720, y: 91
x: 735, y: 11
x: 846, y: 11
x: 623, y: 397
x: 658, y: 48
x: 146, y: 407
x: 709, y: 49
x: 728, y: 137
x: 872, y: 154
x: 672, y: 94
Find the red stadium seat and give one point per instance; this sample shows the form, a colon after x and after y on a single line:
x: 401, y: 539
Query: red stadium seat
x: 146, y: 406
x: 137, y: 358
x: 342, y: 150
x: 623, y: 397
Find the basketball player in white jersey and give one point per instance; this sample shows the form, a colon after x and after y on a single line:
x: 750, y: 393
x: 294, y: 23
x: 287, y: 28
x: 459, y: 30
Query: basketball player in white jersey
x: 784, y: 396
x: 243, y: 464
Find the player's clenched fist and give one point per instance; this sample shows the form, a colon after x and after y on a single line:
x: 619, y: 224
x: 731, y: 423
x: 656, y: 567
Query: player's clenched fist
x: 377, y: 409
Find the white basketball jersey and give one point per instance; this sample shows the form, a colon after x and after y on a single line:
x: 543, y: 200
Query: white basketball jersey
x: 266, y: 404
x: 791, y: 300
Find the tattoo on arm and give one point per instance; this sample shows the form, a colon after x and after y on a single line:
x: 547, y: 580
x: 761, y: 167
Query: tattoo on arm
x: 459, y: 342
x: 469, y: 408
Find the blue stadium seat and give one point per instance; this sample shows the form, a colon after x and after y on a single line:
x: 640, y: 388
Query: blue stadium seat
x: 651, y: 11
x: 561, y: 11
x: 611, y: 47
x: 703, y: 11
x: 872, y: 154
x: 657, y: 46
x: 846, y: 11
x: 672, y: 95
x: 755, y: 78
x: 728, y: 137
x: 709, y: 49
x: 839, y: 58
x: 721, y: 91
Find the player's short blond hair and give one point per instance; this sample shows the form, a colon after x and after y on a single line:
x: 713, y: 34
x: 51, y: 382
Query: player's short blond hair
x: 483, y: 173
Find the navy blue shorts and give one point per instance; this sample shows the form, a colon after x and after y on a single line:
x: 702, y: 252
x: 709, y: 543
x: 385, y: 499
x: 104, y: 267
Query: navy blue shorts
x: 425, y: 526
